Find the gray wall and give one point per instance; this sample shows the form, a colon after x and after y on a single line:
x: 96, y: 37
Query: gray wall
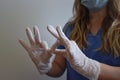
x: 15, y: 16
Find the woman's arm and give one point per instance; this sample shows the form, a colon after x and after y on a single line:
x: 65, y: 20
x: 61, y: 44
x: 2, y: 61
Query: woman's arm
x: 91, y: 69
x: 59, y: 66
x: 38, y: 51
x: 109, y: 72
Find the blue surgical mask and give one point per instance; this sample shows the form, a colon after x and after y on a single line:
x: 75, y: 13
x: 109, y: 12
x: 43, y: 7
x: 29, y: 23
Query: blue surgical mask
x: 94, y: 5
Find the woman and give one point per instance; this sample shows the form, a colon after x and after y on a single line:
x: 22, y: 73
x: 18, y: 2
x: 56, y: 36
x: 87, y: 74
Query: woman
x: 91, y: 41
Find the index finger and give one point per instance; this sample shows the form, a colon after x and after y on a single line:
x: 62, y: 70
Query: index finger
x: 65, y: 40
x: 53, y: 31
x: 55, y: 45
x: 58, y: 33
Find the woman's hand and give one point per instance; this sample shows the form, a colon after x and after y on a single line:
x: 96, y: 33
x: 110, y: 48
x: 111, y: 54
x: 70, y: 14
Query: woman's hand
x: 78, y: 61
x: 38, y: 50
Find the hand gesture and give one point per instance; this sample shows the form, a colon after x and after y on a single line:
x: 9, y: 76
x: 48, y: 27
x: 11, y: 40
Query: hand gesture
x: 78, y: 61
x: 38, y: 50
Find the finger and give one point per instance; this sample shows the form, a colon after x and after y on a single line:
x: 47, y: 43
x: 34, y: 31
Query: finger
x: 53, y: 31
x: 47, y: 55
x: 30, y: 36
x: 44, y: 45
x: 37, y: 34
x: 60, y: 52
x: 55, y: 45
x: 64, y: 39
x: 57, y: 51
x: 24, y: 45
x: 28, y: 50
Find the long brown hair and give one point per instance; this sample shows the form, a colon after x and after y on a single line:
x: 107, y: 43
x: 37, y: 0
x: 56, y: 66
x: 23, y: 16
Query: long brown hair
x: 110, y: 26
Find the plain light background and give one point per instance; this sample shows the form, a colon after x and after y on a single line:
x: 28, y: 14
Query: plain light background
x: 15, y: 16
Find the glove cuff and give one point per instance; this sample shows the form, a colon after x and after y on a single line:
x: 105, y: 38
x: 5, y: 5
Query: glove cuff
x: 90, y: 69
x: 44, y: 67
x: 93, y: 70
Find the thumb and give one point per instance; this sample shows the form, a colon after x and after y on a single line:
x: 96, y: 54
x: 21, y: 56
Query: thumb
x: 57, y: 51
x: 46, y: 54
x: 61, y: 52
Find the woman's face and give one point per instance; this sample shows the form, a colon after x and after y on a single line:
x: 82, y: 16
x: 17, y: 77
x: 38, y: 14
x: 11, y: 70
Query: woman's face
x: 94, y: 5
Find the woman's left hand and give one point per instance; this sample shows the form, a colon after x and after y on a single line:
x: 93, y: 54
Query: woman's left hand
x: 78, y: 61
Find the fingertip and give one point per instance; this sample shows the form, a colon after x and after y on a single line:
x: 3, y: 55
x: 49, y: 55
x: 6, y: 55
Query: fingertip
x: 50, y: 51
x: 35, y: 27
x: 55, y: 45
x: 20, y: 40
x: 44, y: 44
x: 27, y: 28
x: 49, y: 27
x: 59, y: 27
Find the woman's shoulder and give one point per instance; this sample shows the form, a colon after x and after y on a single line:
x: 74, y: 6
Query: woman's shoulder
x: 68, y: 28
x: 68, y: 25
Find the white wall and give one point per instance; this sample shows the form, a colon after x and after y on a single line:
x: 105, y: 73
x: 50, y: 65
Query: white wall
x: 15, y: 16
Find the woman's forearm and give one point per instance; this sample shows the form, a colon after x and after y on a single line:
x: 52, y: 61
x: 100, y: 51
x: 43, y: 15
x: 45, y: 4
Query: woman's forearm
x: 109, y: 72
x: 56, y: 70
x: 58, y: 67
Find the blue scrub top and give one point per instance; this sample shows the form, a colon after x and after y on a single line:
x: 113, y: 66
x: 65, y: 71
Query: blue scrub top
x: 94, y: 43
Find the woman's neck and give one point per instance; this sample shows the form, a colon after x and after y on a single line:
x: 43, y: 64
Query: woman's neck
x: 97, y: 16
x: 96, y: 20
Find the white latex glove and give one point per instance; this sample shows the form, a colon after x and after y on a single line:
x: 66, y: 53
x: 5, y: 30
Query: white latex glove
x: 78, y: 61
x: 38, y: 51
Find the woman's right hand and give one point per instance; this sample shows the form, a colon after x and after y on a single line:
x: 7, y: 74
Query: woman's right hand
x: 38, y: 50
